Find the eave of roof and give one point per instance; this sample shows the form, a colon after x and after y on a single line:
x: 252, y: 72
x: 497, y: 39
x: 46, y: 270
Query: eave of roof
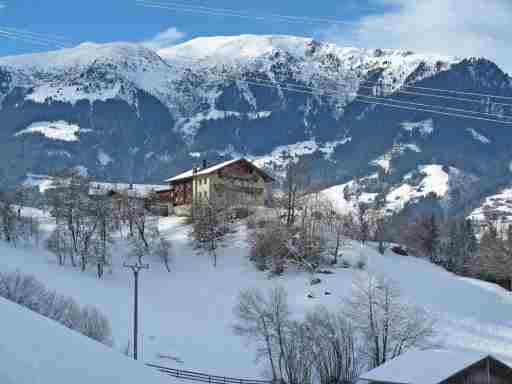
x: 425, y: 367
x: 213, y: 168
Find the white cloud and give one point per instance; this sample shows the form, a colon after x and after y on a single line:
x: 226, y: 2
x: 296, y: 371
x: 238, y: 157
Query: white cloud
x: 165, y: 39
x: 453, y: 27
x: 2, y: 5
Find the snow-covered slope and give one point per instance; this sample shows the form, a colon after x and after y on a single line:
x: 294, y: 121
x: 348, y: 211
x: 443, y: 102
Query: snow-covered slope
x: 432, y: 180
x: 117, y: 70
x: 92, y: 72
x: 34, y: 349
x: 159, y: 112
x: 498, y: 207
x: 186, y: 316
x: 435, y: 181
x: 259, y: 50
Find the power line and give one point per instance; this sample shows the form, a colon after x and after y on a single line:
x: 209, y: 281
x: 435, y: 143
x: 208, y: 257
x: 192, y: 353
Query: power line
x: 25, y: 39
x: 331, y: 93
x: 385, y: 102
x: 462, y: 92
x: 39, y: 35
x: 31, y: 37
x: 399, y: 90
x: 176, y: 6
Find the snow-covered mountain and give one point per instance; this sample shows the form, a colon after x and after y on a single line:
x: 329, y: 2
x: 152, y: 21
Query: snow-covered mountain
x: 124, y: 112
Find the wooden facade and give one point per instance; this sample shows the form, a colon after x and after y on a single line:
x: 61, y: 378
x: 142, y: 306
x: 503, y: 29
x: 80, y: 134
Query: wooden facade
x: 234, y: 179
x: 487, y: 371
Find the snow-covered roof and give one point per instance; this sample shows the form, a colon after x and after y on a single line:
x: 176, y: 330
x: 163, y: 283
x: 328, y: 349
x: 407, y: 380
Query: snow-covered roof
x: 34, y: 349
x: 208, y: 170
x: 424, y: 367
x: 133, y: 190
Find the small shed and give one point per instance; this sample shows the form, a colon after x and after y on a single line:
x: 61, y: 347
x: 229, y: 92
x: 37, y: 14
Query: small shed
x: 441, y: 367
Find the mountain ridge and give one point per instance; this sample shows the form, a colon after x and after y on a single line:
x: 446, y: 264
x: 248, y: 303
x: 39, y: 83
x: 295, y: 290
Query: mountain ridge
x: 144, y: 115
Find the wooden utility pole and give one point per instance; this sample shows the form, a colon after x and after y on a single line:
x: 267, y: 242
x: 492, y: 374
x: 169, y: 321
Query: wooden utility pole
x: 136, y: 268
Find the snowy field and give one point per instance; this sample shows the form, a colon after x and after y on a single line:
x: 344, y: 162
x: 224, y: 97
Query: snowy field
x: 186, y: 316
x: 34, y: 349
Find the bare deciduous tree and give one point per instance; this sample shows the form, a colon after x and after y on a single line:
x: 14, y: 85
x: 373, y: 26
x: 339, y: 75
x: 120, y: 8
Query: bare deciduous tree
x: 323, y: 347
x: 388, y: 324
x: 294, y: 188
x: 269, y: 247
x: 210, y: 225
x: 264, y: 321
x: 336, y: 350
x: 163, y: 250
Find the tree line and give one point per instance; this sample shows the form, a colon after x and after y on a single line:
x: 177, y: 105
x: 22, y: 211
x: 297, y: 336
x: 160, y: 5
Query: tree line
x: 30, y: 293
x: 87, y: 220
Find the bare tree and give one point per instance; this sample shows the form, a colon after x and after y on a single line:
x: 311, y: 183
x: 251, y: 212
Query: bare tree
x: 339, y: 226
x: 264, y: 321
x: 269, y: 246
x: 422, y: 235
x: 363, y: 222
x: 309, y: 235
x: 387, y: 323
x: 336, y: 350
x: 296, y: 356
x: 210, y: 225
x: 58, y: 244
x: 163, y: 249
x: 8, y: 219
x: 294, y: 188
x: 68, y: 199
x: 102, y: 213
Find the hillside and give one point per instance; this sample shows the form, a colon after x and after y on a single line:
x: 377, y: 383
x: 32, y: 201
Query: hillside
x: 186, y: 316
x: 125, y: 113
x: 34, y: 349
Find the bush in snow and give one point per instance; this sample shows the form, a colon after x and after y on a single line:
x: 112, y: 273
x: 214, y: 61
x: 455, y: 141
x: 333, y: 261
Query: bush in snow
x: 304, y: 243
x: 95, y: 325
x: 211, y: 224
x: 30, y: 293
x: 269, y: 247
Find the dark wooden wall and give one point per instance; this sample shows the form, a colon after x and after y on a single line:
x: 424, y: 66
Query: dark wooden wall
x: 478, y: 374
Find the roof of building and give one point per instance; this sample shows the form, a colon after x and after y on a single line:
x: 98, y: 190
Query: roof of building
x: 132, y: 190
x: 211, y: 169
x: 425, y: 367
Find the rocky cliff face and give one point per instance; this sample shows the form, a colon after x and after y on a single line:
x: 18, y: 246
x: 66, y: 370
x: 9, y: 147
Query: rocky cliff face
x: 126, y: 113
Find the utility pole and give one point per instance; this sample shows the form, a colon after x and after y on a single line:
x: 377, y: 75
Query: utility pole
x: 136, y: 268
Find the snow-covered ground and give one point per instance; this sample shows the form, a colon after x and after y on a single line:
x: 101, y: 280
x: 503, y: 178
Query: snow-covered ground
x: 499, y: 205
x: 435, y: 181
x: 54, y: 130
x: 186, y: 316
x: 34, y: 349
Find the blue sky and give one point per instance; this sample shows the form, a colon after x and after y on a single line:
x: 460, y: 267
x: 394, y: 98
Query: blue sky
x: 123, y: 20
x: 451, y: 27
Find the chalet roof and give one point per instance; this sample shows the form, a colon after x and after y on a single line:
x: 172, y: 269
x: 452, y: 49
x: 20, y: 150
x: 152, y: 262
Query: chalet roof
x: 425, y: 367
x: 211, y: 169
